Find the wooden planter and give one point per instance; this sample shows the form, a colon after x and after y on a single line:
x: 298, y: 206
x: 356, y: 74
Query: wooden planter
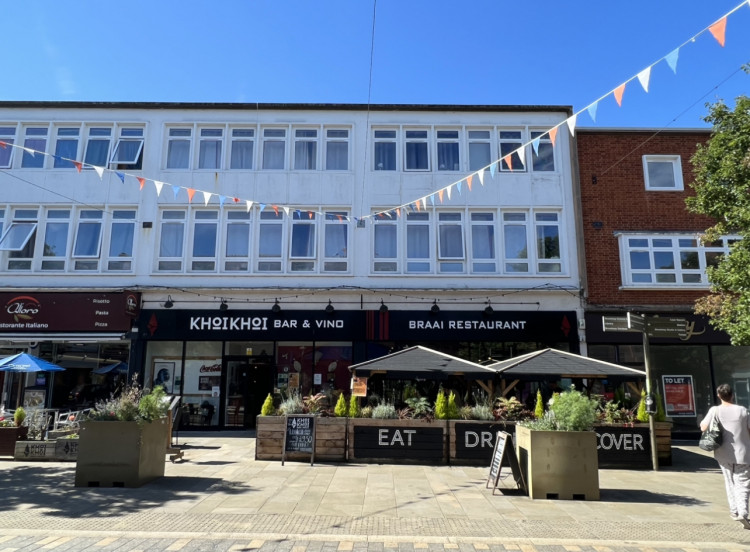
x: 59, y: 450
x: 559, y: 464
x: 8, y: 438
x: 330, y: 439
x: 121, y: 454
x: 471, y: 442
x: 628, y: 446
x: 398, y: 441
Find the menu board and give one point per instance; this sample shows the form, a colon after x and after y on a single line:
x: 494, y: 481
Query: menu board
x: 504, y: 451
x: 299, y: 435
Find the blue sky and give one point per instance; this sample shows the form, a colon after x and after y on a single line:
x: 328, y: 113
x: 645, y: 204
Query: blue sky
x: 540, y: 52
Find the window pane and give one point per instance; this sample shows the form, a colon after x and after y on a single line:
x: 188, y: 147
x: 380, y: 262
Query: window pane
x: 385, y: 156
x: 483, y: 241
x: 640, y: 260
x: 121, y: 242
x: 689, y: 260
x: 337, y: 156
x: 17, y: 236
x: 416, y: 156
x: 336, y: 237
x: 178, y: 156
x: 56, y: 239
x: 451, y: 242
x: 210, y: 154
x: 303, y: 240
x: 242, y: 154
x: 171, y: 239
x: 6, y: 153
x: 448, y: 159
x: 515, y: 242
x: 270, y: 240
x: 305, y: 154
x: 87, y: 240
x: 30, y: 160
x: 96, y: 152
x: 127, y: 152
x: 418, y: 242
x: 204, y: 239
x: 273, y: 155
x: 548, y: 242
x: 238, y: 240
x: 663, y: 260
x: 545, y: 159
x: 479, y: 156
x: 661, y: 174
x: 385, y: 241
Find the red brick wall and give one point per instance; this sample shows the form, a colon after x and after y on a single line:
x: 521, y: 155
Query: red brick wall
x: 620, y: 202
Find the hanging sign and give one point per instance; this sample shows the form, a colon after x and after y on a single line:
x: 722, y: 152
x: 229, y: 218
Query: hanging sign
x: 359, y: 386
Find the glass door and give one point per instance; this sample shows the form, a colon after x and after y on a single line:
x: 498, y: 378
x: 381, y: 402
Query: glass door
x: 249, y: 381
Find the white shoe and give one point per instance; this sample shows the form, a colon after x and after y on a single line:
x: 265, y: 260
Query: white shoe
x: 735, y: 517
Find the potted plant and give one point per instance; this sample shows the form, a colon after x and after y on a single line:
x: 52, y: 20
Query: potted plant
x: 557, y: 453
x: 12, y: 429
x: 125, y: 441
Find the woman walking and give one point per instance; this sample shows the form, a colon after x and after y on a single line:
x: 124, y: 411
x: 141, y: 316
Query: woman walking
x: 733, y: 455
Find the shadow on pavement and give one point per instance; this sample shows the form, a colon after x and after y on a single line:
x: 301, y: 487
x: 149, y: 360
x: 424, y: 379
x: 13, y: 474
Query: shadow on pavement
x: 647, y: 497
x: 52, y: 491
x: 685, y: 460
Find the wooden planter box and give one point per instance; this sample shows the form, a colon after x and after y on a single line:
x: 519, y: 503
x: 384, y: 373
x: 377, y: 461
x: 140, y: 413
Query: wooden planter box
x: 471, y: 442
x: 398, y: 441
x: 59, y: 450
x: 330, y: 439
x: 121, y: 454
x: 559, y: 464
x: 628, y: 446
x: 8, y: 438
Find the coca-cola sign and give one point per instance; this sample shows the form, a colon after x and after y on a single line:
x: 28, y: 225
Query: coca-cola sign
x: 68, y: 312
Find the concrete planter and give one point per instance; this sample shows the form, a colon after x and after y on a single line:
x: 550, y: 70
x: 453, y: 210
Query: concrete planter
x: 121, y: 454
x: 559, y: 464
x: 330, y: 439
x: 398, y: 441
x: 8, y: 438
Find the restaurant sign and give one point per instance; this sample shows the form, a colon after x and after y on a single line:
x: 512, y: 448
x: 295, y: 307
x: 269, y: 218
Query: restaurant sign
x: 28, y: 312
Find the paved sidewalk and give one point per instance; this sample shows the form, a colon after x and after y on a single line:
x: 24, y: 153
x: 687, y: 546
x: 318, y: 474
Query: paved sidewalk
x: 220, y: 498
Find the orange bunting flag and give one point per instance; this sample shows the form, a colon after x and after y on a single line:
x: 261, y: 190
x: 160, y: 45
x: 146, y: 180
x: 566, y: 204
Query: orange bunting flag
x: 619, y: 91
x: 275, y: 209
x: 398, y: 212
x: 236, y: 199
x: 142, y: 181
x: 552, y: 136
x: 509, y: 160
x: 440, y: 195
x: 77, y: 165
x: 719, y: 29
x: 3, y: 145
x: 191, y: 193
x: 468, y: 181
x: 310, y: 214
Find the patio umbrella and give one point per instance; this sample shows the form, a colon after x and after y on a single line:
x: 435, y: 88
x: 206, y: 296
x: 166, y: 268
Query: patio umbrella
x: 118, y: 367
x: 23, y: 363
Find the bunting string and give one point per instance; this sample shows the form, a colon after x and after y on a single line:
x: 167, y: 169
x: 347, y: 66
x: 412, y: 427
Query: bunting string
x: 717, y: 30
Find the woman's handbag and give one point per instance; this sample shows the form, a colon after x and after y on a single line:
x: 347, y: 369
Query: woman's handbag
x: 711, y: 438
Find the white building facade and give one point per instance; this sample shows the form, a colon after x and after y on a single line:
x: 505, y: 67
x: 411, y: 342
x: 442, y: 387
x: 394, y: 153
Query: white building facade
x: 233, y: 250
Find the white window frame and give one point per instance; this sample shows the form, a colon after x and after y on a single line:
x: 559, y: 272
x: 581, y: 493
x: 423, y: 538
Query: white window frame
x: 8, y: 135
x: 180, y: 218
x: 472, y: 138
x: 339, y: 263
x: 451, y: 264
x: 120, y: 262
x: 546, y: 265
x: 482, y: 265
x: 66, y: 133
x: 244, y: 134
x: 267, y: 137
x: 210, y: 134
x: 242, y: 219
x: 82, y: 221
x: 422, y: 140
x: 515, y: 144
x: 270, y: 217
x: 42, y: 135
x: 522, y: 219
x: 336, y: 139
x: 679, y: 244
x: 442, y: 138
x: 203, y: 263
x: 128, y: 134
x: 675, y: 161
x: 386, y: 265
x: 88, y: 138
x: 412, y: 264
x: 57, y: 262
x: 303, y: 263
x: 300, y: 137
x: 379, y: 137
x: 544, y: 142
x: 182, y: 135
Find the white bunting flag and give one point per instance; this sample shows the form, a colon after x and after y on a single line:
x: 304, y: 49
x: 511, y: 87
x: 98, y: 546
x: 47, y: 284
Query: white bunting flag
x: 572, y: 123
x: 158, y: 186
x: 100, y: 172
x: 206, y: 198
x: 644, y: 76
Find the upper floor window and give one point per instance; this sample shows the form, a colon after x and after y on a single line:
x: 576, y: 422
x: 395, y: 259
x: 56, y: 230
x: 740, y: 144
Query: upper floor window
x: 97, y: 146
x: 66, y: 147
x: 450, y: 242
x: 479, y: 149
x: 384, y: 158
x: 171, y: 240
x: 510, y: 143
x: 543, y: 156
x: 663, y: 172
x: 516, y: 241
x: 209, y: 149
x: 35, y: 138
x: 243, y: 145
x: 178, y: 148
x: 416, y: 151
x: 122, y: 233
x: 548, y: 242
x: 448, y: 158
x: 418, y: 242
x: 128, y: 151
x: 669, y: 260
x: 385, y: 245
x: 274, y: 148
x: 337, y: 150
x: 7, y: 136
x: 483, y: 242
x: 305, y: 149
x: 336, y: 242
x: 19, y: 240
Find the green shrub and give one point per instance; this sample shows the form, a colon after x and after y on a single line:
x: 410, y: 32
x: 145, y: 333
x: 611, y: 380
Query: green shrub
x: 340, y: 410
x: 511, y: 410
x: 482, y: 412
x: 19, y: 416
x: 642, y: 415
x: 539, y: 406
x: 354, y: 410
x: 291, y: 405
x: 419, y: 406
x: 267, y: 409
x: 153, y: 405
x: 366, y: 412
x: 574, y: 411
x: 441, y: 406
x: 451, y: 412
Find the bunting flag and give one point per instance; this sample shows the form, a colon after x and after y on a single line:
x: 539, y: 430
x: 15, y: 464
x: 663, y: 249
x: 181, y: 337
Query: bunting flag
x: 398, y: 212
x: 440, y: 195
x: 298, y: 212
x: 671, y: 58
x: 553, y: 135
x: 448, y: 189
x: 3, y: 145
x: 286, y: 210
x: 121, y: 177
x: 644, y: 76
x: 572, y: 124
x: 222, y: 199
x: 158, y: 185
x: 176, y: 190
x: 535, y: 145
x: 142, y: 181
x: 458, y: 186
x: 77, y: 165
x: 432, y: 199
x: 468, y: 181
x: 262, y: 206
x: 275, y: 209
x: 592, y: 110
x: 718, y: 30
x: 493, y: 169
x: 236, y: 199
x: 206, y: 198
x: 508, y: 161
x: 191, y: 193
x: 249, y: 205
x: 522, y: 155
x: 480, y: 174
x: 619, y: 91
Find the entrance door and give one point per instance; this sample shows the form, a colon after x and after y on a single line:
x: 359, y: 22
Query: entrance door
x: 249, y: 381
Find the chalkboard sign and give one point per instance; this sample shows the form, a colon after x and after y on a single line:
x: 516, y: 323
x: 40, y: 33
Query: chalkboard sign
x: 299, y: 435
x: 504, y: 454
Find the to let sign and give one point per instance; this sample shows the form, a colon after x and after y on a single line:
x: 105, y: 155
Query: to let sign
x: 679, y: 398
